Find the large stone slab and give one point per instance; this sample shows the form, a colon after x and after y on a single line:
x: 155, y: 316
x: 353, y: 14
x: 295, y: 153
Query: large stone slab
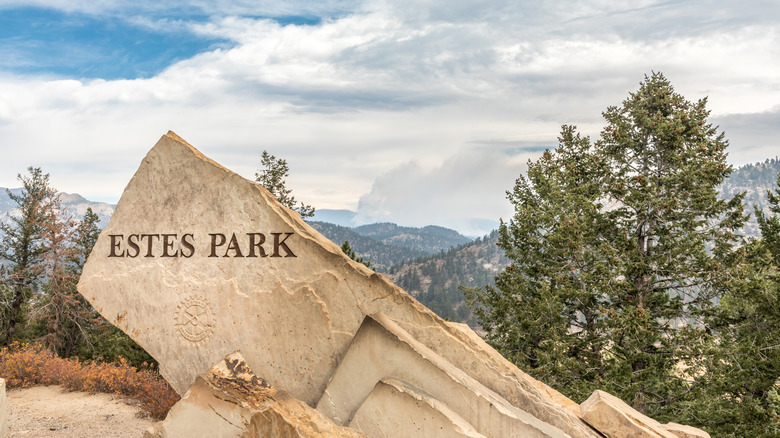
x: 684, y: 431
x: 230, y: 401
x: 616, y: 419
x: 534, y: 395
x: 382, y: 349
x: 198, y: 262
x: 397, y: 409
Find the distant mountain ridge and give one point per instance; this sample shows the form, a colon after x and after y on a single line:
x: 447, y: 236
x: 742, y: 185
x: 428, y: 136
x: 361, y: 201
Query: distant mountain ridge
x: 344, y: 218
x: 347, y: 218
x: 73, y: 203
x: 753, y: 179
x: 429, y: 240
x: 381, y: 255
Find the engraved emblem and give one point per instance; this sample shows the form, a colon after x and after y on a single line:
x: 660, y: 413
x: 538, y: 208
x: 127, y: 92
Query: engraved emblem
x: 194, y: 319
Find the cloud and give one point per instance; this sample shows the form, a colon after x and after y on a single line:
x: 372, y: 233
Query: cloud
x: 466, y: 192
x: 753, y: 137
x: 351, y: 100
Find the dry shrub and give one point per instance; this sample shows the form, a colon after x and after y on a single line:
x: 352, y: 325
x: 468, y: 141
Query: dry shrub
x: 24, y: 365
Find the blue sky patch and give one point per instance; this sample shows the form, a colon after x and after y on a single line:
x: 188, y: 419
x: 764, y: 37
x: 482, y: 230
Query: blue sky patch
x: 83, y: 46
x: 296, y: 20
x: 47, y: 41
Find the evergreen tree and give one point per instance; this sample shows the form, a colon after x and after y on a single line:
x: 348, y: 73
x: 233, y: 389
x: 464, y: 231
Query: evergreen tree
x: 23, y: 249
x: 346, y: 249
x: 68, y: 317
x: 618, y: 249
x: 85, y: 237
x: 84, y: 317
x: 272, y: 176
x: 769, y: 224
x: 88, y: 335
x: 51, y: 307
x: 740, y: 392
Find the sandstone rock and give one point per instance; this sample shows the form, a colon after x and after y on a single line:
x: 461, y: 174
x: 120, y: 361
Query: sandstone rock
x: 230, y: 401
x: 382, y: 349
x: 616, y: 419
x: 395, y: 408
x: 524, y: 379
x: 198, y: 262
x: 683, y: 431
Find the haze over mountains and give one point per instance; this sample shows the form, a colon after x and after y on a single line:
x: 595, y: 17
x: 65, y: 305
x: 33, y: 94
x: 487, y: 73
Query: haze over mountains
x: 472, y: 227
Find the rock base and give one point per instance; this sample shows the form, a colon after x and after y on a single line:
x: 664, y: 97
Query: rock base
x: 230, y: 401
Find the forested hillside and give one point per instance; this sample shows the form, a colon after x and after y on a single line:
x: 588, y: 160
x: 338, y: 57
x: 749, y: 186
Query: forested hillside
x: 754, y: 180
x: 381, y: 255
x: 428, y: 240
x: 385, y: 245
x: 42, y: 252
x: 435, y: 280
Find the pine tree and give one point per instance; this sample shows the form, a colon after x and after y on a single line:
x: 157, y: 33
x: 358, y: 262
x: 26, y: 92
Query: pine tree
x: 23, y: 249
x: 272, y: 176
x: 740, y: 395
x: 347, y: 249
x: 87, y: 334
x: 85, y: 237
x: 618, y: 249
x: 68, y: 317
x: 53, y: 308
x: 770, y: 224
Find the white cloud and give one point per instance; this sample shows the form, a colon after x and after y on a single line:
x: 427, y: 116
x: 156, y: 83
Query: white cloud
x: 465, y: 192
x: 752, y: 137
x: 376, y: 85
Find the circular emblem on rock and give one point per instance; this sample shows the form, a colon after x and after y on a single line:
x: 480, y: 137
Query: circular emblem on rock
x: 194, y: 319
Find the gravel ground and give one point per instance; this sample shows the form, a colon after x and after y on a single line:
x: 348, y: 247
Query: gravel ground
x: 47, y: 411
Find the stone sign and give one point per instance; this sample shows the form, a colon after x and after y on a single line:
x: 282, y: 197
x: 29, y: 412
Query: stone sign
x: 199, y: 263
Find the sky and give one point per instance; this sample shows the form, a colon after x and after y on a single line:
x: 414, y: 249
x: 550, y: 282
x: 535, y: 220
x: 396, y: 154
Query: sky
x: 415, y: 112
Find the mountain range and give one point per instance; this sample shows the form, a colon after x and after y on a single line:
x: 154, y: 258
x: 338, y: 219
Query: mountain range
x: 74, y: 205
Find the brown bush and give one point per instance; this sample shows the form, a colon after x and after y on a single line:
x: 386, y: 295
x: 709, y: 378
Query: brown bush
x: 24, y: 365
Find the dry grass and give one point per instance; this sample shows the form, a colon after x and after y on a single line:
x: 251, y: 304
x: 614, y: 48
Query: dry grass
x: 24, y: 365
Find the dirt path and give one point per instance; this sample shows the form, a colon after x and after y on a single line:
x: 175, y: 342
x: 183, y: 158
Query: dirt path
x: 47, y: 411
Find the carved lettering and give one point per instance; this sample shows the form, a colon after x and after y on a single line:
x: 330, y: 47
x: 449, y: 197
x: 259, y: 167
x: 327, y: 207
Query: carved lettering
x: 132, y: 242
x: 280, y: 244
x: 115, y: 244
x: 171, y: 245
x: 233, y: 246
x: 256, y: 244
x: 188, y: 245
x: 168, y: 241
x: 214, y: 243
x: 149, y: 242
